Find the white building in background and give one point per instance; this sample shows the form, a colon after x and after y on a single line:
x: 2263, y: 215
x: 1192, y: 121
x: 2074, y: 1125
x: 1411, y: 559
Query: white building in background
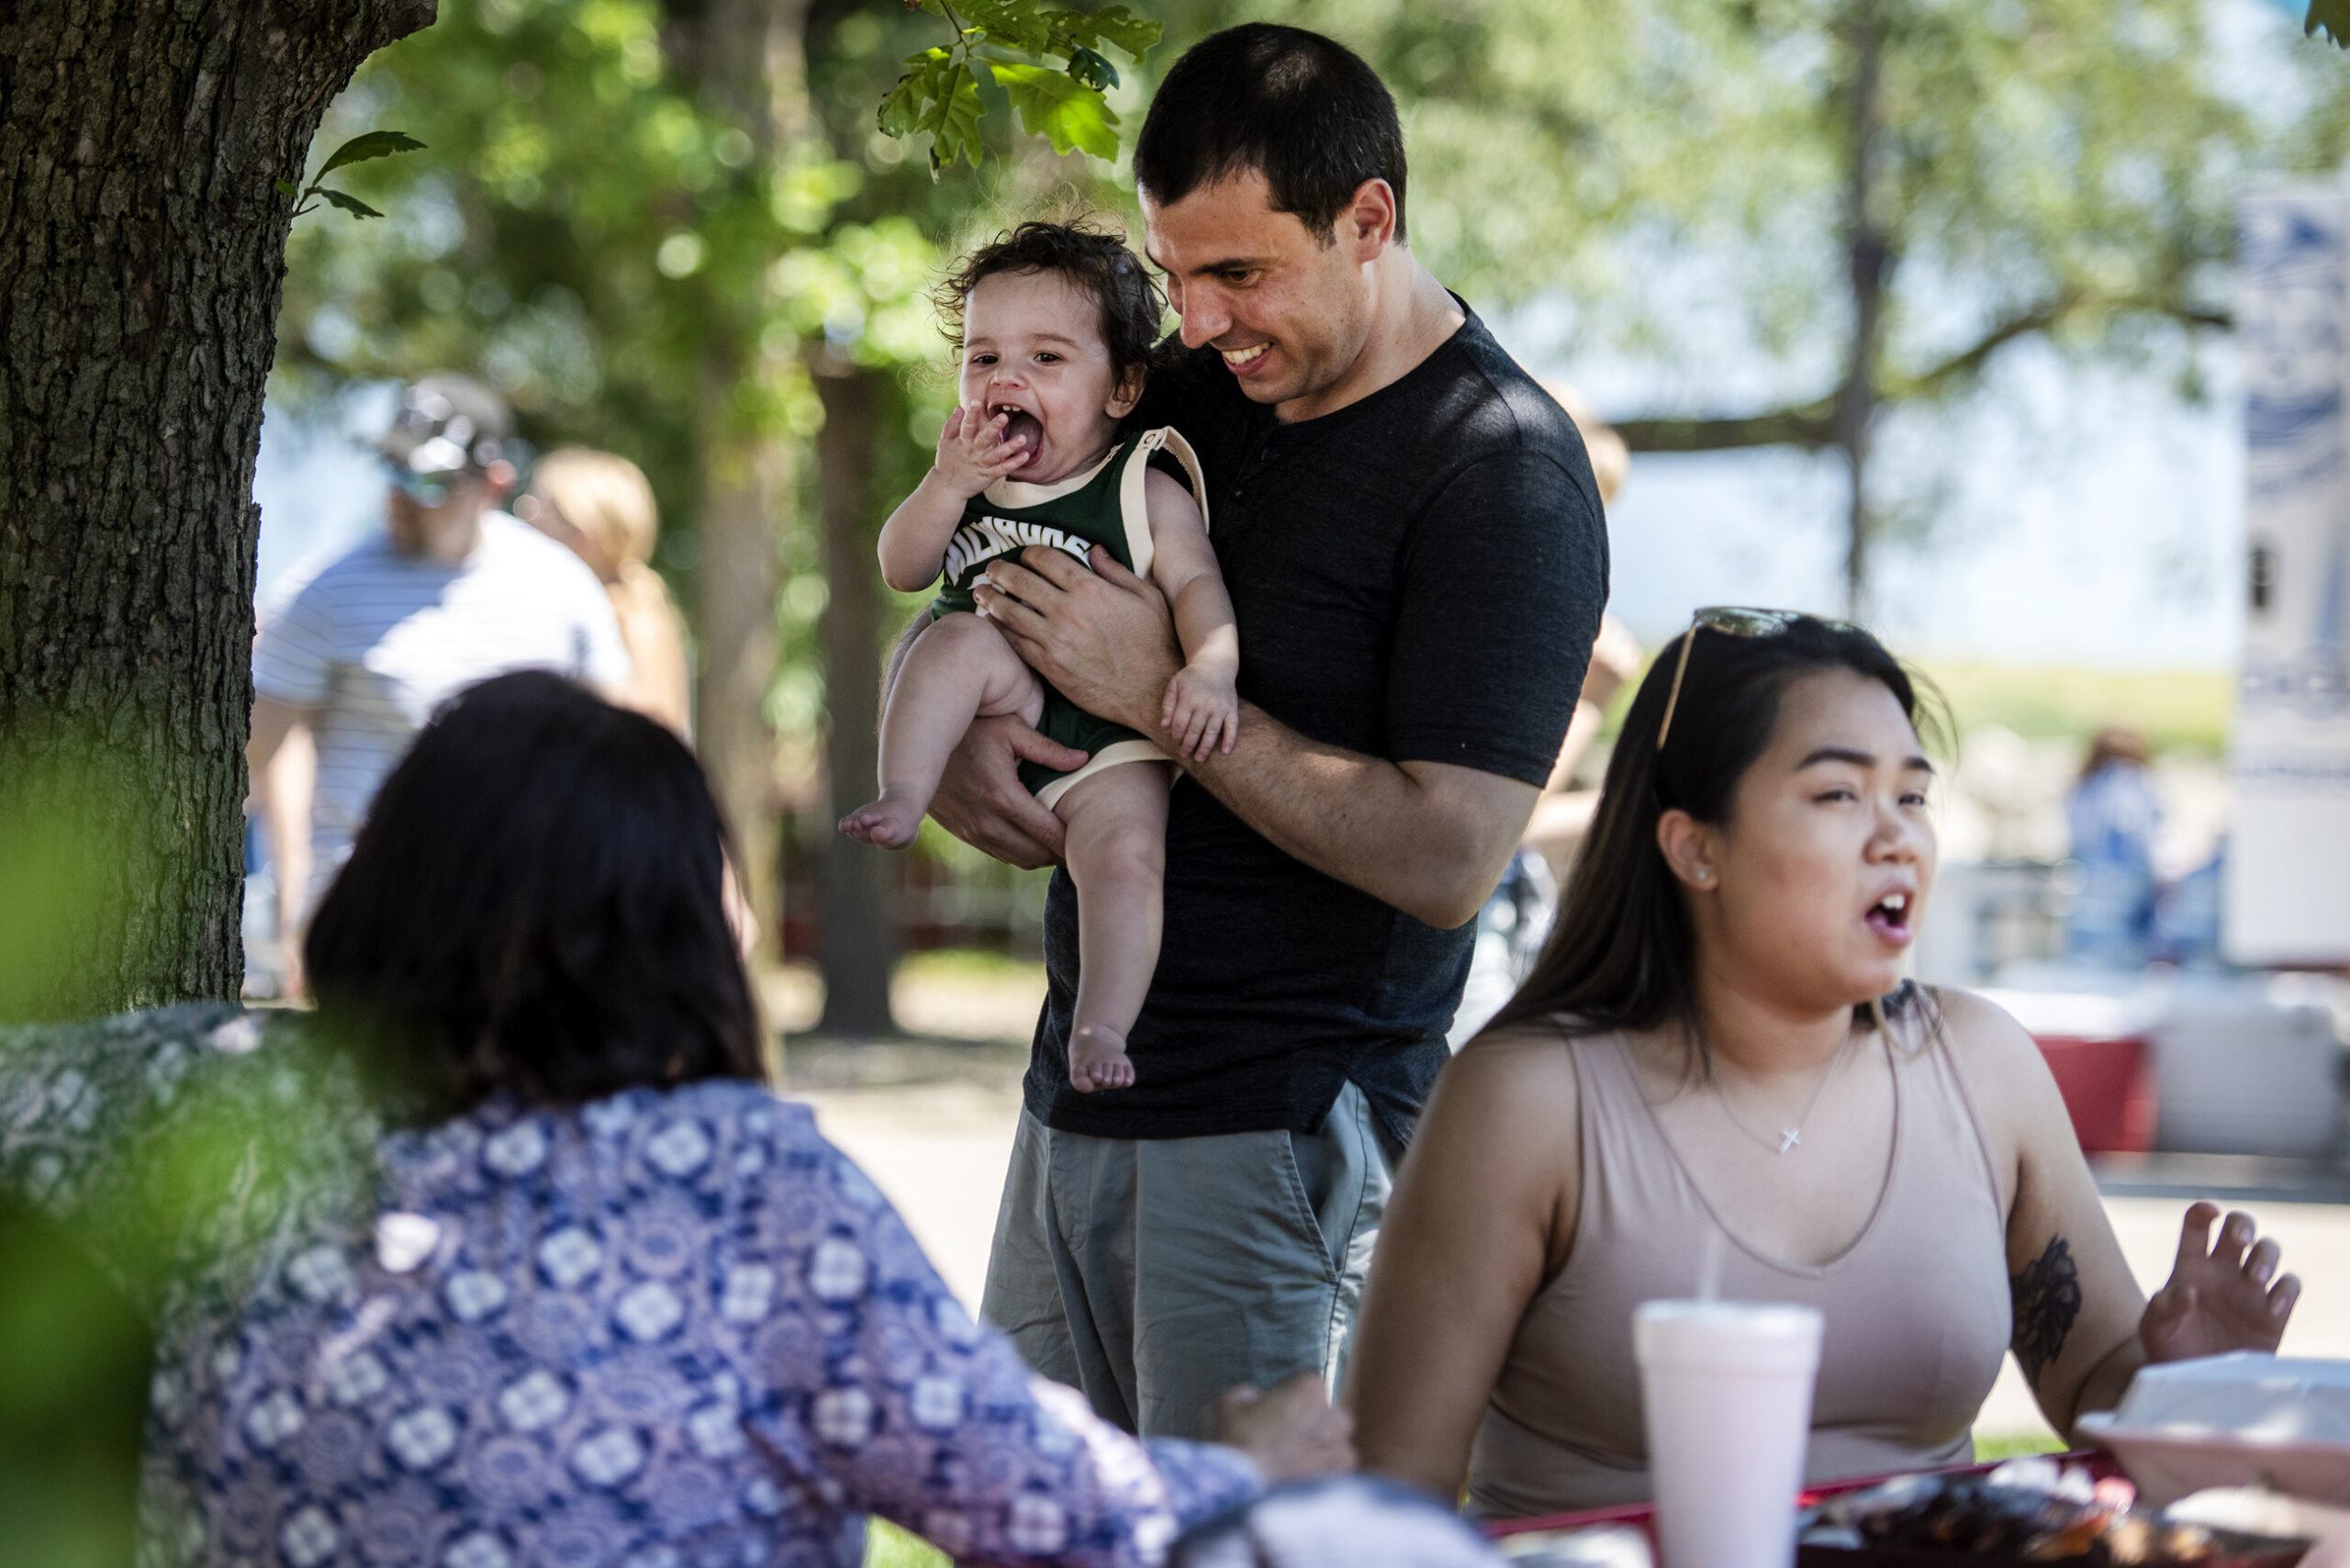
x: 2287, y: 884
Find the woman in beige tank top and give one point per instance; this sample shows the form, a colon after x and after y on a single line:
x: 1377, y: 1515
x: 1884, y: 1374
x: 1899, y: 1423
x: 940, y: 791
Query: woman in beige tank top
x: 1718, y: 1038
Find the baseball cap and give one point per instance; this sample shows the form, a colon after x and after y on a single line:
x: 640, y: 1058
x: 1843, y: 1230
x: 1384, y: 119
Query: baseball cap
x: 448, y: 424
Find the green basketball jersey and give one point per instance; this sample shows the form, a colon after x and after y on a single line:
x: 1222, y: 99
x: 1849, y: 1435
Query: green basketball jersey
x: 1103, y: 506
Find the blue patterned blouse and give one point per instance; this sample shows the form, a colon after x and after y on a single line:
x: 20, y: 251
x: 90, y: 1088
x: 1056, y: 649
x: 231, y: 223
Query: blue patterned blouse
x: 663, y: 1330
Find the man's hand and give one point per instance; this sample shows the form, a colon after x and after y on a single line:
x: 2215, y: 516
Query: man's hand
x: 982, y: 801
x: 2221, y: 1296
x: 1104, y: 637
x: 1291, y: 1432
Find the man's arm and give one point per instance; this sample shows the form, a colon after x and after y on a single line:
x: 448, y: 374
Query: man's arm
x: 1429, y: 838
x: 281, y: 777
x: 1502, y: 574
x: 273, y: 720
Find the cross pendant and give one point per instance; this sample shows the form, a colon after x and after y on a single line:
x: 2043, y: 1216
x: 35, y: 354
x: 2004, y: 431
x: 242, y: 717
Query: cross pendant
x: 1788, y: 1139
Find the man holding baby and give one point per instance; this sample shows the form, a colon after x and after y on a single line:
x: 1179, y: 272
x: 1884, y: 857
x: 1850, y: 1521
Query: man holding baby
x: 1418, y: 560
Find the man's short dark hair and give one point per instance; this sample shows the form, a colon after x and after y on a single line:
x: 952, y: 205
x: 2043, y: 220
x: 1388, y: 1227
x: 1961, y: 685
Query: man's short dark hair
x: 1300, y: 110
x: 1093, y: 257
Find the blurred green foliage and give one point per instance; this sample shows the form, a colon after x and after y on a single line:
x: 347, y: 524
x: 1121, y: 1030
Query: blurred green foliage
x: 887, y: 1546
x: 1064, y: 101
x: 1671, y: 173
x: 643, y: 270
x: 594, y: 232
x: 74, y: 1373
x: 2174, y: 710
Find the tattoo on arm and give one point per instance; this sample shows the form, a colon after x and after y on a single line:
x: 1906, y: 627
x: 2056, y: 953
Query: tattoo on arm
x: 2047, y: 1297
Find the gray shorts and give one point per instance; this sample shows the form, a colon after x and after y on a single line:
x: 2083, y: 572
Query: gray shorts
x: 1156, y: 1273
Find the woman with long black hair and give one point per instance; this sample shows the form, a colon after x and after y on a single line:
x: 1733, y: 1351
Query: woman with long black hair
x: 507, y: 1255
x: 1717, y: 1049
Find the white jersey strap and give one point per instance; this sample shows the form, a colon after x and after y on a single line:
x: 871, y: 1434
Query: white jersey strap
x: 1131, y: 506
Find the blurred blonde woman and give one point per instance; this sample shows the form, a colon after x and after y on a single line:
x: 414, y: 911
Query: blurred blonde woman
x: 600, y: 505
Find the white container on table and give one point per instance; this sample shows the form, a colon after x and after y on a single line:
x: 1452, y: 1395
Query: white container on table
x: 1726, y: 1393
x: 2243, y: 1419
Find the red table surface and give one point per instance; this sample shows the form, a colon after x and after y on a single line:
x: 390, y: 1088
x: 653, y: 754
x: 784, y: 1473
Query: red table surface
x: 1642, y: 1516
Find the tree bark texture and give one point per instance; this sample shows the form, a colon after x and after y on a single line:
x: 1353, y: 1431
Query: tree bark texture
x: 860, y: 937
x: 142, y: 245
x: 141, y: 263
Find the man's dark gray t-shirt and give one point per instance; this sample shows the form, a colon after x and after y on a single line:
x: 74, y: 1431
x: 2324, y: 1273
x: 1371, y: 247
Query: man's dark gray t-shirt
x: 1417, y: 576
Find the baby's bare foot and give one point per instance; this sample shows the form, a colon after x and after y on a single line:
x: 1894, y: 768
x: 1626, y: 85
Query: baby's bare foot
x: 890, y: 821
x: 1098, y: 1059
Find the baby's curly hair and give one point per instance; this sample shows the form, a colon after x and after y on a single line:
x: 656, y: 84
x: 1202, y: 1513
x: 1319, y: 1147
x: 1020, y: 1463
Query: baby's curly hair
x: 1090, y: 256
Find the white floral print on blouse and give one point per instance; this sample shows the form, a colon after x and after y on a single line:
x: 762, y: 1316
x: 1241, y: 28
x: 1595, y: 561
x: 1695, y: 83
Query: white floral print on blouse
x: 667, y: 1329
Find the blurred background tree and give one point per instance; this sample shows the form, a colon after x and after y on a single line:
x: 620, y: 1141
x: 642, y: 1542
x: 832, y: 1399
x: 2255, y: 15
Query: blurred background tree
x: 1858, y: 203
x: 680, y: 231
x: 673, y: 231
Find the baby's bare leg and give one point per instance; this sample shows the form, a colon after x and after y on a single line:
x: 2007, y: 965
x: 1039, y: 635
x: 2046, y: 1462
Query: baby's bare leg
x: 1117, y: 853
x: 960, y: 668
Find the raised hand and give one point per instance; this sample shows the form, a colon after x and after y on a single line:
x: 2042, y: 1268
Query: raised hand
x: 1102, y: 637
x: 973, y: 454
x: 2220, y: 1297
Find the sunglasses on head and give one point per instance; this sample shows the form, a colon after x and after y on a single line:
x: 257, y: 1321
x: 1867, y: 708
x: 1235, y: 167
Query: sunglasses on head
x: 1733, y: 620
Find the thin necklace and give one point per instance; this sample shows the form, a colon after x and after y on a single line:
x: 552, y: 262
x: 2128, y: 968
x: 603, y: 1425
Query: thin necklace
x: 1790, y: 1137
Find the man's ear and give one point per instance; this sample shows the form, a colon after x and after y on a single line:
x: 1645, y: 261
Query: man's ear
x: 1689, y: 849
x: 1127, y: 393
x: 1367, y: 224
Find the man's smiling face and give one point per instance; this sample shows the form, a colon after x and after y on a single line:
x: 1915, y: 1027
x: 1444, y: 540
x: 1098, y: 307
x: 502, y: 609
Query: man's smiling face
x: 1288, y: 312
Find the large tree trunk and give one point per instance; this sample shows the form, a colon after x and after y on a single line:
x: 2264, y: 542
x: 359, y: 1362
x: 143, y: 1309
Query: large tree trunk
x: 142, y: 245
x: 141, y: 260
x: 748, y: 56
x: 860, y: 939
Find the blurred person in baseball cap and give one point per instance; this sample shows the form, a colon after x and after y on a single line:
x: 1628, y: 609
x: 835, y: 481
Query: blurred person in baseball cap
x: 449, y: 454
x: 361, y: 649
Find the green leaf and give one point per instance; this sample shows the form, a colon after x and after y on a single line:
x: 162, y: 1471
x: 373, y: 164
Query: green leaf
x: 1056, y: 104
x: 286, y: 189
x: 2333, y: 16
x: 902, y: 111
x: 1014, y: 23
x: 351, y: 205
x: 1092, y: 69
x: 953, y: 120
x: 375, y: 144
x: 1112, y: 24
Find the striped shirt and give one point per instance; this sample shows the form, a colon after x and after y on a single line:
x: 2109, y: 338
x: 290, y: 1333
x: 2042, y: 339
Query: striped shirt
x: 375, y: 641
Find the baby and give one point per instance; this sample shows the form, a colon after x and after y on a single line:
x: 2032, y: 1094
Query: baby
x: 1055, y: 326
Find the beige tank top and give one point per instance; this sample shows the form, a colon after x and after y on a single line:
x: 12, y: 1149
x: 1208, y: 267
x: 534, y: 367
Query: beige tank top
x: 1917, y: 1308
